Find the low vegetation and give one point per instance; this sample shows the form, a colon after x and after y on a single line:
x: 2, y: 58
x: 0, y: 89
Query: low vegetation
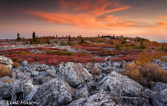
x: 144, y: 71
x: 58, y: 52
x: 4, y: 71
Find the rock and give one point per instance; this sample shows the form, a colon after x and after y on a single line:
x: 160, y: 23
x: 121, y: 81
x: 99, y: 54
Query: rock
x: 22, y: 85
x: 53, y: 93
x: 78, y: 102
x: 52, y: 73
x: 158, y: 86
x: 44, y: 73
x: 120, y: 85
x: 45, y: 79
x: 24, y: 63
x: 37, y: 80
x: 82, y: 93
x: 104, y: 67
x: 74, y: 74
x: 34, y: 73
x: 3, y: 102
x: 30, y: 67
x: 102, y: 98
x: 149, y: 93
x: 135, y: 101
x: 30, y: 95
x: 36, y: 51
x: 6, y: 61
x: 42, y: 67
x: 160, y: 99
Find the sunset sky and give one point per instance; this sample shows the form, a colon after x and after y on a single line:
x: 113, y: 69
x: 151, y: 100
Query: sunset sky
x: 144, y: 18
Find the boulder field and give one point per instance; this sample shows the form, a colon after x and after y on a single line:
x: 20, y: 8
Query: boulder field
x: 72, y: 84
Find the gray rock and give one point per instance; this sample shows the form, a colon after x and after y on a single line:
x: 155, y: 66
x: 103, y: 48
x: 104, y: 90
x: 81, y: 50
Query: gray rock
x: 74, y: 74
x: 3, y: 102
x: 24, y: 63
x: 34, y: 73
x: 120, y: 85
x: 53, y: 93
x: 6, y: 85
x: 160, y: 99
x: 32, y: 92
x: 149, y: 93
x: 52, y: 73
x: 82, y: 93
x: 78, y: 102
x: 135, y: 101
x: 102, y: 98
x: 44, y: 73
x: 158, y: 86
x: 42, y: 67
x: 45, y: 79
x: 30, y: 67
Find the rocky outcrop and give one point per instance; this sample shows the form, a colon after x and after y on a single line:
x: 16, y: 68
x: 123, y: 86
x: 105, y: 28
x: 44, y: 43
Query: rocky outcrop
x: 22, y: 84
x: 53, y: 93
x: 160, y: 98
x: 74, y: 74
x: 163, y: 64
x: 6, y: 61
x: 158, y: 86
x: 102, y: 98
x: 120, y: 85
x: 71, y: 84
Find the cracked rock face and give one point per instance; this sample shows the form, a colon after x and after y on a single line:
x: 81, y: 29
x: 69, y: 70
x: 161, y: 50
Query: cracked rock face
x: 160, y: 99
x: 102, y: 98
x: 120, y: 85
x: 74, y: 74
x: 6, y: 85
x: 53, y: 93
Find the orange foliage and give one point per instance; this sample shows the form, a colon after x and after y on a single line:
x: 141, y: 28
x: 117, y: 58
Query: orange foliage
x: 145, y: 58
x: 146, y: 73
x: 4, y: 71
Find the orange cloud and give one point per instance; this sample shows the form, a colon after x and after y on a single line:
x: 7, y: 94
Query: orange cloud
x: 90, y: 13
x: 92, y: 6
x: 164, y: 17
x: 161, y: 25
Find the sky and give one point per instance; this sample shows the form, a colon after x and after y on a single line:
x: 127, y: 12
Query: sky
x: 143, y: 18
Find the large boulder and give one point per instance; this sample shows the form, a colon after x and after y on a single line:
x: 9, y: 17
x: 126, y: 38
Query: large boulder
x: 74, y: 74
x: 102, y: 98
x: 120, y: 85
x: 160, y: 99
x: 6, y: 61
x: 22, y: 84
x: 53, y: 93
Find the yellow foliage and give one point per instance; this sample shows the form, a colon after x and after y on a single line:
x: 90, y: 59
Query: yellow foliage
x: 148, y: 71
x: 133, y: 72
x: 145, y: 58
x: 4, y: 71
